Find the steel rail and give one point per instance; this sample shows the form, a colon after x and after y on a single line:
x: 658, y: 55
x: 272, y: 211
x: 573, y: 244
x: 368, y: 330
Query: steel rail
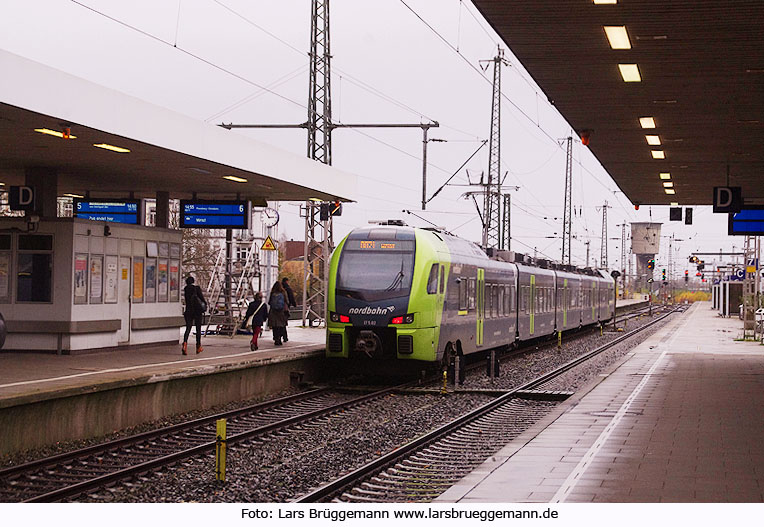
x: 390, y: 458
x: 151, y: 434
x: 169, y: 459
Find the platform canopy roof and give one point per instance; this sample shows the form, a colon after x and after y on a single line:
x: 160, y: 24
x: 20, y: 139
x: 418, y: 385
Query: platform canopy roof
x: 701, y: 65
x: 167, y: 151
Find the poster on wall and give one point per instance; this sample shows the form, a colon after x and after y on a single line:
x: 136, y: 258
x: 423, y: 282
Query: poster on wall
x: 138, y: 279
x: 162, y: 280
x: 80, y: 278
x: 151, y: 279
x: 174, y: 280
x: 96, y: 279
x: 5, y: 269
x: 111, y: 280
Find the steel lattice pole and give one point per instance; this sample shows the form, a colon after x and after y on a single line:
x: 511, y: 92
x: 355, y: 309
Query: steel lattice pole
x: 318, y: 232
x: 603, y: 250
x: 567, y: 221
x: 492, y: 198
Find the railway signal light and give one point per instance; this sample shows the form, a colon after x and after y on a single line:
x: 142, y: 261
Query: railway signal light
x: 686, y: 276
x: 664, y: 274
x: 333, y: 208
x: 651, y: 264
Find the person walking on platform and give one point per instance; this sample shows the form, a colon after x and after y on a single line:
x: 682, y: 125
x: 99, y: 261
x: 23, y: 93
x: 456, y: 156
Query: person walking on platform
x: 259, y: 313
x: 196, y: 306
x: 290, y: 301
x: 277, y: 317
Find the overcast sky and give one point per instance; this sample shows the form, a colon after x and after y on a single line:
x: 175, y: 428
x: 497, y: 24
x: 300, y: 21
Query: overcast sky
x: 206, y: 59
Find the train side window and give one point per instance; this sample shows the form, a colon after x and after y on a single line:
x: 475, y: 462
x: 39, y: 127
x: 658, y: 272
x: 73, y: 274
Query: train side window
x: 496, y: 301
x: 500, y: 305
x: 432, y: 281
x: 488, y: 300
x: 463, y: 294
x: 471, y: 294
x: 442, y: 279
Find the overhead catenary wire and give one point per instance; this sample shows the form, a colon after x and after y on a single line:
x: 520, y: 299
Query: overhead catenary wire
x: 257, y: 85
x: 504, y: 96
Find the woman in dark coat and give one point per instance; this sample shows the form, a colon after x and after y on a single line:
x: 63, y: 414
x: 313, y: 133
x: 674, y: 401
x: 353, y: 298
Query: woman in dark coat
x: 193, y: 314
x: 277, y: 317
x: 259, y: 313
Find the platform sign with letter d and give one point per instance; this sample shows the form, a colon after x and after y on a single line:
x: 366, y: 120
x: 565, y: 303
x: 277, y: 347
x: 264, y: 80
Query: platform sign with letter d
x: 21, y: 198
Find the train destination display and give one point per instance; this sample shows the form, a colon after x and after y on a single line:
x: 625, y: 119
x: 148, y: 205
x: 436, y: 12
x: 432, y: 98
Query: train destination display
x: 111, y: 210
x: 215, y: 214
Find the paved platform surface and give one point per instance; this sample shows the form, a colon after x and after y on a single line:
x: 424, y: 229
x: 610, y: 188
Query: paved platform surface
x: 41, y: 375
x: 680, y: 419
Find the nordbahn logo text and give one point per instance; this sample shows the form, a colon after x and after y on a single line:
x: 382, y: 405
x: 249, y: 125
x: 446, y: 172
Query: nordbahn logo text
x: 371, y: 310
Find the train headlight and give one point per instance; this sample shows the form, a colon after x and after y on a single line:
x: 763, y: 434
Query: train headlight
x: 335, y: 317
x: 407, y: 319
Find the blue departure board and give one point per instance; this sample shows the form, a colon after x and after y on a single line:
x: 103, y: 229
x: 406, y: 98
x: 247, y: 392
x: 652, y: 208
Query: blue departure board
x: 747, y: 222
x: 196, y: 214
x: 111, y: 210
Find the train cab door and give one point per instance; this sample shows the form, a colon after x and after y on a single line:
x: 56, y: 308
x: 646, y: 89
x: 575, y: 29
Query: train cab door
x: 480, y: 301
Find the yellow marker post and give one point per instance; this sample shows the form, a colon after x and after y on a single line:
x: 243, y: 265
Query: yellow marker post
x: 444, y: 389
x: 559, y: 339
x: 220, y: 450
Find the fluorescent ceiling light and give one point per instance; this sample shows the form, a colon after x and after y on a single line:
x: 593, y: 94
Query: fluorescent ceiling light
x: 598, y: 2
x: 647, y: 122
x: 630, y: 72
x: 618, y: 37
x: 668, y: 184
x: 69, y: 195
x: 665, y: 175
x: 111, y: 147
x: 674, y: 203
x: 669, y: 191
x: 55, y: 133
x: 653, y: 140
x: 316, y: 200
x: 236, y: 179
x: 658, y: 154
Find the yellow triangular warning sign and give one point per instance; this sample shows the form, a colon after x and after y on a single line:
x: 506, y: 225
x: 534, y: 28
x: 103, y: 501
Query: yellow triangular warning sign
x: 268, y: 245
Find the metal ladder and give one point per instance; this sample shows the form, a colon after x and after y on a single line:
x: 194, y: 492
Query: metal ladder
x: 751, y: 287
x: 225, y: 316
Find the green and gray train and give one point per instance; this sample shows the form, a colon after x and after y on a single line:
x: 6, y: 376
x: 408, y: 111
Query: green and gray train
x: 397, y: 292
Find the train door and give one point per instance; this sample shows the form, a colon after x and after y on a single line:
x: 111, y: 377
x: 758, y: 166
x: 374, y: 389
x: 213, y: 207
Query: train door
x: 532, y: 304
x: 564, y: 303
x: 480, y: 305
x: 594, y: 301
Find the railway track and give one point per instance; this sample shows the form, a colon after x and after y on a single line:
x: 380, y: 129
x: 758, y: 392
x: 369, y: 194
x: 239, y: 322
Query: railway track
x: 426, y: 467
x: 73, y: 473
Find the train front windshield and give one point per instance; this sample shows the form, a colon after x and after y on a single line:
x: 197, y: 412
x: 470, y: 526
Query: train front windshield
x: 372, y: 270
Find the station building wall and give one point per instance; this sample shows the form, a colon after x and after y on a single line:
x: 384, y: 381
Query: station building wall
x: 70, y: 284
